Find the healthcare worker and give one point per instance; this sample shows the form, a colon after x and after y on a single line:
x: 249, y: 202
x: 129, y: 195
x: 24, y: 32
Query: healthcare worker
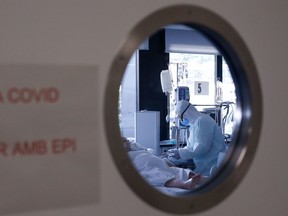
x: 205, y: 140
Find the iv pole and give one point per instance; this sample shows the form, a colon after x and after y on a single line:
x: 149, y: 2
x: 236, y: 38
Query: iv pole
x: 166, y: 84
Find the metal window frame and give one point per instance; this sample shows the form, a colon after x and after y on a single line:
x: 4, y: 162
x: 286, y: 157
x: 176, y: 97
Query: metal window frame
x: 248, y: 127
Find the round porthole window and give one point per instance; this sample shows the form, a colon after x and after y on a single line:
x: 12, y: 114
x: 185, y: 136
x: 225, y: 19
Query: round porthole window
x: 183, y: 109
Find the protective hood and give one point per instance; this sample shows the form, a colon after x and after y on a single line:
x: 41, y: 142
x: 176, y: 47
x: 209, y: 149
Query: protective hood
x: 191, y: 112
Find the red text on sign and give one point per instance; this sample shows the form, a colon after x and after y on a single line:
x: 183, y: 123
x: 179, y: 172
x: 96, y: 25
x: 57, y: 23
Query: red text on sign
x: 3, y: 149
x: 37, y: 147
x: 28, y: 95
x: 1, y: 98
x: 59, y: 146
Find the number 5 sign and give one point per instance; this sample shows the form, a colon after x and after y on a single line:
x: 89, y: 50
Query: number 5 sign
x: 201, y: 88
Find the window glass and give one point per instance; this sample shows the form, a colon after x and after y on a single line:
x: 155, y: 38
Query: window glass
x: 228, y: 84
x: 198, y: 172
x: 229, y: 99
x: 193, y: 78
x: 127, y: 99
x: 197, y: 72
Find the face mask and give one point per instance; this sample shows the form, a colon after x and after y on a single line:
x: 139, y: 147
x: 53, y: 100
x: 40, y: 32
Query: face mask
x: 185, y: 122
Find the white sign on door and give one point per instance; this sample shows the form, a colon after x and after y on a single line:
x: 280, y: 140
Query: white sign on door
x: 201, y: 88
x: 48, y: 142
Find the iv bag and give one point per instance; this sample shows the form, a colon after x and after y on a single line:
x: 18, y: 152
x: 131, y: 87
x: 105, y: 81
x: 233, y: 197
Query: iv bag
x: 166, y: 81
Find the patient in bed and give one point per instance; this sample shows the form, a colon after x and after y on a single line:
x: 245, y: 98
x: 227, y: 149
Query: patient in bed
x: 158, y: 172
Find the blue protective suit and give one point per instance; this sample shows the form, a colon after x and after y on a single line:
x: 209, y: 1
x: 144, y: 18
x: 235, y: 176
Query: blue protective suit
x: 205, y: 140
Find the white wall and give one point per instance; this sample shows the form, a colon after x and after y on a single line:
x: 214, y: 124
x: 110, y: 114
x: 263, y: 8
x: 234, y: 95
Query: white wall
x: 90, y: 32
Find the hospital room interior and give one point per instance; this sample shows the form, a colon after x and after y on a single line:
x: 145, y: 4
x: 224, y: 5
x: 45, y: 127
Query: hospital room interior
x: 176, y: 63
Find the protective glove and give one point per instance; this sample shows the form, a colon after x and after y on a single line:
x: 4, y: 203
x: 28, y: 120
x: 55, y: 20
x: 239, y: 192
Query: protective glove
x: 174, y: 153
